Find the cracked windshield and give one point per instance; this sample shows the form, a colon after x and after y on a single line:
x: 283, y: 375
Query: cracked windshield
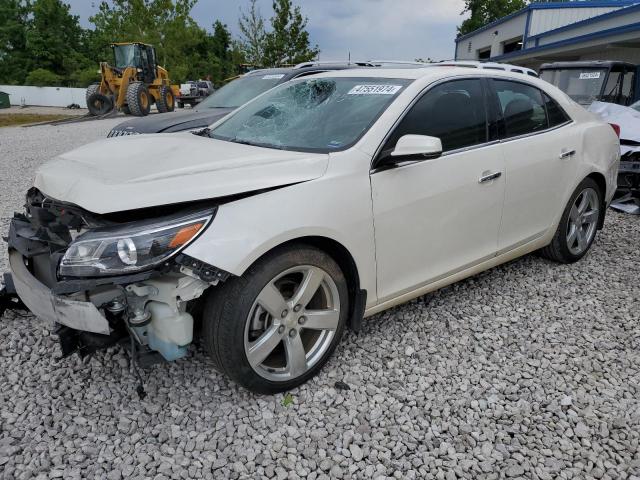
x: 303, y: 115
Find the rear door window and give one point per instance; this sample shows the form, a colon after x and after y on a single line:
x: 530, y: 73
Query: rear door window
x: 522, y: 107
x: 557, y: 116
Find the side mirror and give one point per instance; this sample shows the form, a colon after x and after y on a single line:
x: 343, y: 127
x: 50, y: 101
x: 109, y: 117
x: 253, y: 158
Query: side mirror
x: 417, y: 147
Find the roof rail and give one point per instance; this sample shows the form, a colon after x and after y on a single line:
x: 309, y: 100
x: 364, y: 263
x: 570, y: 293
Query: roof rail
x: 331, y: 62
x: 398, y: 62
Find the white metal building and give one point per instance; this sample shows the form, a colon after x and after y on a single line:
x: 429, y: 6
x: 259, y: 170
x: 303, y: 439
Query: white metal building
x: 558, y: 31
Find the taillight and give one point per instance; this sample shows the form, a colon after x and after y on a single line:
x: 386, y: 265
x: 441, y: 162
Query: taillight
x: 616, y: 128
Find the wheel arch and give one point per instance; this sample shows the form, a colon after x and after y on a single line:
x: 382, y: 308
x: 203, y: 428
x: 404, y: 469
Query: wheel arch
x: 346, y: 262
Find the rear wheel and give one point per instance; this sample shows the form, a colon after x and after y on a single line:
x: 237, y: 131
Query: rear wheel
x: 138, y: 99
x: 166, y: 102
x: 578, y: 225
x: 180, y: 104
x: 277, y: 325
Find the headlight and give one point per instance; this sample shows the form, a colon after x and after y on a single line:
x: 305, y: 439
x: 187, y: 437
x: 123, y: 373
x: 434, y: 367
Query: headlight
x: 130, y: 248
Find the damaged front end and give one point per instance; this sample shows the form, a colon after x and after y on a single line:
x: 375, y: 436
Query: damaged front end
x: 103, y: 278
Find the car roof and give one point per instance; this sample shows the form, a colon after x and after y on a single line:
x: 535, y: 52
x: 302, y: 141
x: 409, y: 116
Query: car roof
x: 426, y: 71
x: 302, y: 69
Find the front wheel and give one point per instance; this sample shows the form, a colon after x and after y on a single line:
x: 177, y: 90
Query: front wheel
x: 274, y: 327
x: 138, y: 99
x: 578, y: 225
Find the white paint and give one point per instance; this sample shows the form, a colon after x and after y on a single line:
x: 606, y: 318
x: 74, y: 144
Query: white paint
x: 409, y: 230
x: 44, y: 96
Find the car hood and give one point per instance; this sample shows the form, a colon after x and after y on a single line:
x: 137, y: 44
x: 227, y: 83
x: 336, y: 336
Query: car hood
x: 142, y: 171
x: 173, y: 121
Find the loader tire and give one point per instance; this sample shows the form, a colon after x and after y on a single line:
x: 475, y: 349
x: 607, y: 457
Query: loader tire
x: 166, y: 102
x: 91, y: 89
x: 99, y: 104
x: 138, y: 99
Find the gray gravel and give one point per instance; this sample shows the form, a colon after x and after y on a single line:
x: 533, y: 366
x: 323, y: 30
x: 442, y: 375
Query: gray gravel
x: 530, y: 370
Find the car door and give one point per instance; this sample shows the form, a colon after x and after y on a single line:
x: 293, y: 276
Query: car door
x: 435, y: 217
x: 540, y: 147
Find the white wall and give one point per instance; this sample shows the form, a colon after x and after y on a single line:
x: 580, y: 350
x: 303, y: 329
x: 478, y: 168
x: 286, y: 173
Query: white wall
x: 543, y: 20
x: 514, y: 27
x: 44, y: 96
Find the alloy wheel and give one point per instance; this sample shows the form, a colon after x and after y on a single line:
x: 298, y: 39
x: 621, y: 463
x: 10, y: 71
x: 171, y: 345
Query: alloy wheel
x: 583, y: 221
x: 292, y: 323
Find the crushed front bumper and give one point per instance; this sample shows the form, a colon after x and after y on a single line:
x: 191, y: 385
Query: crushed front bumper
x: 52, y: 308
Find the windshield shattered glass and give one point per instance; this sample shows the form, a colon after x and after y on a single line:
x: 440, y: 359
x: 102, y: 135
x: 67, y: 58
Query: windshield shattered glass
x: 583, y: 85
x: 322, y: 114
x: 240, y: 91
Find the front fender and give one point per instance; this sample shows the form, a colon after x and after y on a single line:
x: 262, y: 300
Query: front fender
x: 336, y: 206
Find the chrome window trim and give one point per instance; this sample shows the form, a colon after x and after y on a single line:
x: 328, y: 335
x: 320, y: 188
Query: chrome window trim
x: 533, y: 134
x: 490, y: 143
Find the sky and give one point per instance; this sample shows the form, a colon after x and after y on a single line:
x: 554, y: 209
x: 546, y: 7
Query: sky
x: 369, y: 29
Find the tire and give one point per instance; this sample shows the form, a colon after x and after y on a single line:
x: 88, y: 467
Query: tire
x: 125, y: 110
x: 99, y: 104
x: 180, y: 104
x: 236, y: 321
x: 138, y: 99
x: 91, y: 89
x: 578, y: 225
x: 166, y: 102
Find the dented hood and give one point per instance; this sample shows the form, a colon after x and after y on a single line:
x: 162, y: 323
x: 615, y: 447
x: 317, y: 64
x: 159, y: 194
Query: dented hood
x: 141, y: 171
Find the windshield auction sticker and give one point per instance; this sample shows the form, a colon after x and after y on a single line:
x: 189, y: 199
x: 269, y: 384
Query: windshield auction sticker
x: 274, y: 76
x: 589, y: 75
x: 374, y: 90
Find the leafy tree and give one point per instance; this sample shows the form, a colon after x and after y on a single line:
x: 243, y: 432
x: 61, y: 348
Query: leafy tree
x: 252, y: 34
x: 41, y: 77
x: 288, y: 42
x: 54, y: 38
x: 14, y: 60
x: 487, y: 11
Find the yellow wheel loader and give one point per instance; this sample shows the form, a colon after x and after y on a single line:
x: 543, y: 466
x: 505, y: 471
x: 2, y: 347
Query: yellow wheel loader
x: 132, y: 84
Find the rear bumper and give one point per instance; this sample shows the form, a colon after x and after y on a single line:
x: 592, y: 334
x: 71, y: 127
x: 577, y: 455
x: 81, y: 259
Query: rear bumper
x: 53, y: 308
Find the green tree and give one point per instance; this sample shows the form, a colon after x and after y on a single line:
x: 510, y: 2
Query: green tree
x: 41, y: 77
x: 252, y: 34
x: 14, y: 60
x: 288, y: 42
x: 54, y: 38
x: 487, y: 11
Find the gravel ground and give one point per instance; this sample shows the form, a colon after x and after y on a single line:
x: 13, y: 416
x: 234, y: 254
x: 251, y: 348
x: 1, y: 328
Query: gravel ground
x: 530, y: 370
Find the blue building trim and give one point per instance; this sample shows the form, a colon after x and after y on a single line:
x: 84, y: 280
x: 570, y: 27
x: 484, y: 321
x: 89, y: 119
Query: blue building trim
x: 550, y: 5
x: 525, y: 37
x: 588, y: 21
x: 570, y: 41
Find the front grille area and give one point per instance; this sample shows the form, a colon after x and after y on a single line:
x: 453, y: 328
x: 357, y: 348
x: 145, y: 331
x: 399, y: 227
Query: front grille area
x: 121, y: 133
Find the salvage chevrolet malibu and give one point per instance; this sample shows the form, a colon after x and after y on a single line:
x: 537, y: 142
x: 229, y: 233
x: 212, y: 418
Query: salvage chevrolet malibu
x: 319, y: 203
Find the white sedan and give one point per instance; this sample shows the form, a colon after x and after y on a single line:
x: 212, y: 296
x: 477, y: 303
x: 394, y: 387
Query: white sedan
x: 321, y: 202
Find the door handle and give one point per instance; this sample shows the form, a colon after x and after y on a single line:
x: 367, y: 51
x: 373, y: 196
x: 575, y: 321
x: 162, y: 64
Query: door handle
x: 489, y: 177
x: 567, y: 154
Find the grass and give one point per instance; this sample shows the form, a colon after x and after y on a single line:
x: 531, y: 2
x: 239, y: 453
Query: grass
x: 13, y: 119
